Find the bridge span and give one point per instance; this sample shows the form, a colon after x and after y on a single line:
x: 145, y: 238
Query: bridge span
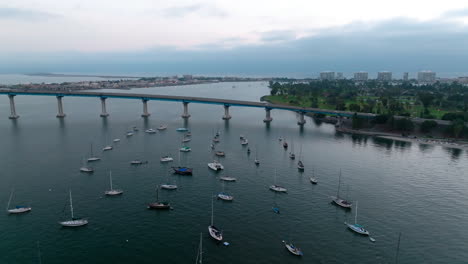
x: 226, y: 103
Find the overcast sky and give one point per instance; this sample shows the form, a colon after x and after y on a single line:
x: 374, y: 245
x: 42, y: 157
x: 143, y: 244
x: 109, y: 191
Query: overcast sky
x: 233, y: 37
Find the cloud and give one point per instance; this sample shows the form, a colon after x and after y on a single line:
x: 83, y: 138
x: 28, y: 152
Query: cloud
x: 25, y: 14
x: 456, y: 13
x: 278, y: 35
x: 200, y: 9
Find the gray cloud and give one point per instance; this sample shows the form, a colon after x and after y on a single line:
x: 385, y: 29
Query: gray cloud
x: 25, y: 14
x: 201, y: 9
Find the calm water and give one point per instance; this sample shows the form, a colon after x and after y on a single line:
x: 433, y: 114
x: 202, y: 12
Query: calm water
x: 418, y: 190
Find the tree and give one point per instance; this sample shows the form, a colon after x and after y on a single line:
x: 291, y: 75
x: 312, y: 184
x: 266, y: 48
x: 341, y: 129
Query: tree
x: 354, y: 108
x: 426, y: 99
x: 427, y: 126
x: 357, y: 122
x: 403, y: 124
x: 458, y: 125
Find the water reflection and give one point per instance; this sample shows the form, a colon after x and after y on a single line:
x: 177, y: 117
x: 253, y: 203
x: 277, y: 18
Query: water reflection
x: 317, y: 122
x: 359, y: 139
x: 383, y: 142
x: 426, y: 148
x: 402, y: 145
x: 454, y: 152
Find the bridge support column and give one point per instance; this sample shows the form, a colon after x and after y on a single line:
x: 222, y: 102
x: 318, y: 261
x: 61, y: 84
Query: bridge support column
x: 226, y: 116
x: 13, y: 114
x: 103, y: 107
x: 60, y: 107
x: 301, y: 121
x: 268, y: 118
x: 145, y: 108
x: 186, y: 113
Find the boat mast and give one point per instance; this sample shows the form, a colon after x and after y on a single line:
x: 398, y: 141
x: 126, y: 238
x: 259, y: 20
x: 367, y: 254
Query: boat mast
x: 110, y: 179
x: 355, y: 216
x: 211, y: 210
x: 71, y: 205
x: 398, y: 249
x: 339, y: 184
x: 9, y: 200
x: 201, y: 249
x: 92, y: 150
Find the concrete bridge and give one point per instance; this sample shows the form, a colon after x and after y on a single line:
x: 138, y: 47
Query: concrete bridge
x: 185, y: 100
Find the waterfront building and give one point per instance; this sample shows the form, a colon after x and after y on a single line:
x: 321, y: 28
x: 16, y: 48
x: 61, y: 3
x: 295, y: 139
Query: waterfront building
x: 327, y: 75
x: 339, y: 76
x: 426, y: 76
x: 384, y: 76
x: 405, y: 76
x: 361, y: 76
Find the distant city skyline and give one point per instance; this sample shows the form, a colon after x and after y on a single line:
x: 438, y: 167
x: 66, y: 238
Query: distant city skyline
x: 291, y: 38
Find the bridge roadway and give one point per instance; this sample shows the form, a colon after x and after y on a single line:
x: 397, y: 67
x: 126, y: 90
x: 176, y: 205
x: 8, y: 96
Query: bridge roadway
x: 184, y: 99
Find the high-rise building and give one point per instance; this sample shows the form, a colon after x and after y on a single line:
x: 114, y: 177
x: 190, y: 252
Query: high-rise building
x: 361, y: 76
x: 426, y: 76
x: 339, y: 76
x: 327, y: 75
x: 405, y: 76
x: 384, y: 76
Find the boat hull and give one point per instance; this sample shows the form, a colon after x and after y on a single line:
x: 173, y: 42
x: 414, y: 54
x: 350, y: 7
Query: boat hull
x: 113, y: 192
x: 74, y: 223
x: 276, y: 188
x: 341, y: 202
x: 358, y: 229
x: 182, y: 170
x: 225, y: 197
x: 159, y: 206
x: 215, y: 233
x: 168, y: 187
x: 19, y: 210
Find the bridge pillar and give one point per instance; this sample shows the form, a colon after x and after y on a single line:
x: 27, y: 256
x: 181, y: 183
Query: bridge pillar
x: 145, y: 108
x: 301, y: 121
x: 268, y: 118
x: 186, y: 113
x: 226, y: 116
x: 60, y: 106
x: 13, y: 114
x: 103, y: 107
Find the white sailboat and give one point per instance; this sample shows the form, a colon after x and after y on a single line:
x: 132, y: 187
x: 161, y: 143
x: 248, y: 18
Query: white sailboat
x: 313, y: 179
x: 18, y: 209
x: 291, y: 153
x: 293, y: 249
x: 107, y: 148
x: 357, y: 227
x: 215, y: 233
x: 341, y: 202
x: 92, y: 157
x: 116, y: 140
x: 74, y: 222
x: 257, y: 161
x: 300, y: 165
x: 276, y: 187
x: 224, y: 196
x: 85, y: 168
x: 112, y: 191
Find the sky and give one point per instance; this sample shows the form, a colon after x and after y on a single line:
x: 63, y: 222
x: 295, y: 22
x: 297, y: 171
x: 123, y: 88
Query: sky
x: 255, y: 37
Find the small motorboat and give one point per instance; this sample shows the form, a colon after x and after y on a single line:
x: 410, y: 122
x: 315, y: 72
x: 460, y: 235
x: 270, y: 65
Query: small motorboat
x: 313, y: 180
x: 276, y: 210
x: 182, y: 170
x: 168, y: 186
x: 244, y: 142
x: 185, y: 149
x: 135, y: 128
x: 257, y: 162
x: 291, y: 248
x: 106, y: 148
x: 215, y: 165
x: 117, y: 140
x: 220, y: 153
x: 278, y: 188
x: 150, y: 131
x: 19, y: 209
x: 137, y: 162
x: 129, y: 134
x: 186, y: 139
x: 212, y: 146
x: 182, y: 129
x: 227, y: 178
x: 224, y: 196
x: 86, y: 169
x: 166, y: 159
x: 162, y: 127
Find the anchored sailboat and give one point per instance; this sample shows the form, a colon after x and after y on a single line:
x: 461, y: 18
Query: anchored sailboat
x: 112, y: 191
x: 85, y: 168
x: 92, y: 157
x: 74, y: 222
x: 293, y: 249
x: 18, y: 209
x: 341, y: 202
x: 158, y: 204
x: 276, y: 187
x: 215, y: 233
x: 357, y: 227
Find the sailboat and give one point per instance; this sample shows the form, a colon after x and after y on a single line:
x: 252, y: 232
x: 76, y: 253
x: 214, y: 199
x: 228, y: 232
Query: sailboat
x: 85, y: 168
x: 116, y: 140
x: 293, y: 249
x: 107, y: 148
x: 313, y: 180
x: 112, y: 191
x: 224, y: 196
x: 168, y: 186
x: 356, y: 227
x: 244, y: 142
x: 18, y: 209
x: 341, y: 202
x: 158, y: 204
x: 277, y: 188
x: 199, y: 259
x: 182, y: 170
x: 92, y: 157
x: 285, y: 144
x: 300, y: 165
x: 74, y: 222
x: 215, y: 233
x: 257, y: 162
x: 291, y: 153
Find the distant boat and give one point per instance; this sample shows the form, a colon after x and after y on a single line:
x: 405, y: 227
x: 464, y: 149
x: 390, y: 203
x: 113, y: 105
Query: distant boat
x: 85, y: 168
x: 188, y: 134
x: 227, y: 178
x: 129, y: 134
x: 275, y: 209
x: 106, y: 148
x: 168, y: 186
x: 341, y: 202
x: 242, y: 137
x: 74, y: 222
x: 285, y: 144
x: 159, y: 205
x: 257, y: 162
x: 137, y: 162
x: 185, y: 149
x: 313, y: 179
x: 150, y: 131
x: 300, y: 165
x: 186, y: 139
x: 220, y: 153
x: 291, y: 153
x: 224, y: 196
x: 92, y: 157
x: 18, y: 209
x: 117, y: 140
x: 358, y: 228
x: 181, y: 129
x: 112, y: 191
x: 293, y: 249
x: 216, y: 165
x: 248, y: 150
x: 214, y: 232
x: 216, y: 140
x: 166, y: 159
x: 244, y: 142
x: 135, y: 128
x: 182, y: 170
x: 276, y: 187
x: 162, y: 127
